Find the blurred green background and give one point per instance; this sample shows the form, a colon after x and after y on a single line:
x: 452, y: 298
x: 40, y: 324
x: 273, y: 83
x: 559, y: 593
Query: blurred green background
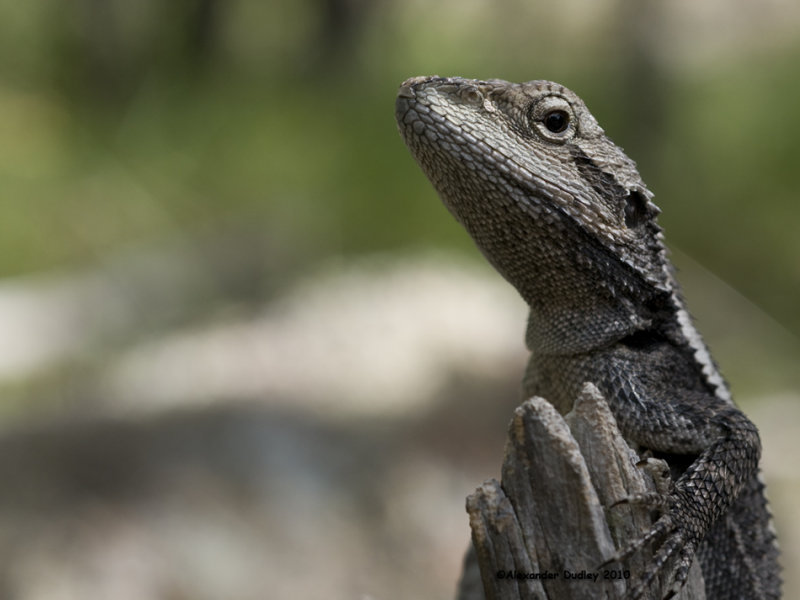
x: 170, y: 169
x: 132, y: 122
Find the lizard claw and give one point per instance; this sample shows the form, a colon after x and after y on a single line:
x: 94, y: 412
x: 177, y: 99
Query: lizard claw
x: 649, y: 499
x: 661, y: 527
x: 674, y: 545
x: 672, y: 560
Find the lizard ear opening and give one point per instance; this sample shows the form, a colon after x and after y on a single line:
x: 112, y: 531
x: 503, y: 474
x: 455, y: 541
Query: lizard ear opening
x: 636, y: 209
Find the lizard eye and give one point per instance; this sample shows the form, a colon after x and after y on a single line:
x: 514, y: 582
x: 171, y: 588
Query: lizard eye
x: 553, y: 119
x: 556, y: 121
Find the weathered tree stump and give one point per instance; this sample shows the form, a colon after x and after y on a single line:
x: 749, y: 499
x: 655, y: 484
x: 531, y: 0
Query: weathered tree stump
x: 544, y: 532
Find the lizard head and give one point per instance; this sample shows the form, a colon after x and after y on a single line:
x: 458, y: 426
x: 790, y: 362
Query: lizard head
x: 550, y: 200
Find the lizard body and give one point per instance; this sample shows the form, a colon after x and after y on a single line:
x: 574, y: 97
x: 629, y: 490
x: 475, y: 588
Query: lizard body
x: 562, y: 213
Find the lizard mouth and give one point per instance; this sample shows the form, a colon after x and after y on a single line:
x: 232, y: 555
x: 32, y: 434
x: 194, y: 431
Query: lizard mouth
x: 406, y: 98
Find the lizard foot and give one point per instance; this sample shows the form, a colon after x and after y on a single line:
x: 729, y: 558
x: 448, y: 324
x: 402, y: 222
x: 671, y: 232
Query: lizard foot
x: 671, y: 561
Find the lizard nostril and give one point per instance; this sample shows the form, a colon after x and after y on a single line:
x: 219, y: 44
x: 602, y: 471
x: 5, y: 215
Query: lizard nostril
x: 472, y: 95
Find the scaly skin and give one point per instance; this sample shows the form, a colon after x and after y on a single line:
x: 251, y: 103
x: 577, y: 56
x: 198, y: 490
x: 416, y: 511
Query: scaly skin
x: 563, y: 215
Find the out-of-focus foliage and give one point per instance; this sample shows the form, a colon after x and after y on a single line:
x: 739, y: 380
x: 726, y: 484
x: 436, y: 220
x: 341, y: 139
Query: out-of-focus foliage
x: 130, y: 121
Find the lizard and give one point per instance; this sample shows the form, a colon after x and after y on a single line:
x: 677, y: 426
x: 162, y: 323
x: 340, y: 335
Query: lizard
x: 562, y: 214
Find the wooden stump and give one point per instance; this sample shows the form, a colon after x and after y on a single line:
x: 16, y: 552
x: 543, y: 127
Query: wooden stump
x: 545, y: 530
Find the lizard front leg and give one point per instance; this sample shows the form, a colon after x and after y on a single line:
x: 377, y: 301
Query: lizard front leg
x: 701, y: 495
x: 712, y: 449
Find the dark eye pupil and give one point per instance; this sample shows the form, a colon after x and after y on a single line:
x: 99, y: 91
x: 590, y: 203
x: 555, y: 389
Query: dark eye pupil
x: 556, y: 121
